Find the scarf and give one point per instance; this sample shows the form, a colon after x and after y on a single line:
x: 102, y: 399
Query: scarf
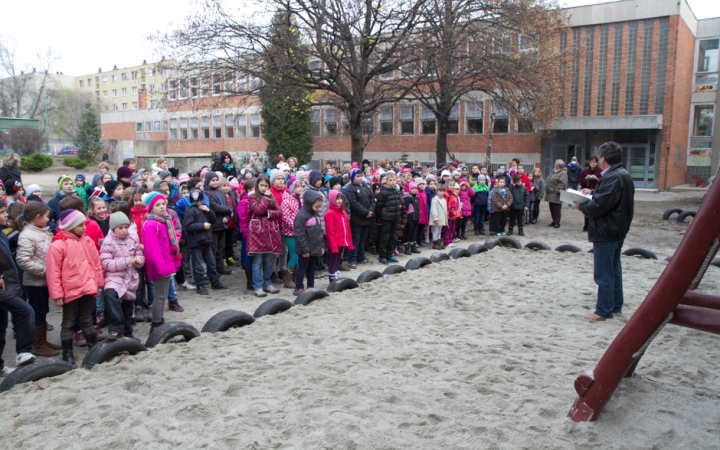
x: 229, y: 167
x: 167, y: 220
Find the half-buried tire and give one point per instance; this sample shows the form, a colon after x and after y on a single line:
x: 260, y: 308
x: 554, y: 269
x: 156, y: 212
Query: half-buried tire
x: 684, y: 215
x: 638, y: 251
x: 507, y: 241
x: 491, y: 243
x: 35, y: 372
x: 309, y: 296
x: 272, y: 306
x: 368, y: 275
x: 716, y: 263
x: 342, y: 284
x: 111, y: 349
x: 537, y: 245
x: 669, y: 212
x: 171, y: 330
x: 417, y: 262
x: 476, y: 248
x: 459, y: 253
x: 439, y: 257
x: 569, y: 248
x: 224, y: 320
x: 394, y: 270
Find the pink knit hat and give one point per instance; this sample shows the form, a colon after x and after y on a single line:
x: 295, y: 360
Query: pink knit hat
x: 70, y: 219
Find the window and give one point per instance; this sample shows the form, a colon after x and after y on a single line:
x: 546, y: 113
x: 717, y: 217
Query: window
x: 82, y: 83
x: 525, y: 120
x: 502, y: 44
x: 114, y: 92
x: 367, y: 124
x: 107, y: 108
x: 193, y: 87
x: 104, y: 80
x: 90, y: 81
x: 474, y: 117
x: 172, y: 89
x: 148, y: 126
x: 193, y: 128
x: 217, y: 127
x: 331, y: 122
x: 204, y: 86
x: 427, y: 120
x: 217, y: 81
x: 124, y: 105
x: 173, y: 129
x: 134, y: 74
x: 124, y: 92
x: 502, y: 119
x: 134, y: 91
x: 156, y: 125
x: 315, y: 120
x: 454, y: 119
x: 183, y: 129
x: 114, y: 78
x: 630, y: 68
x: 205, y: 128
x: 164, y: 125
x: 153, y: 104
x: 229, y: 130
x: 707, y: 67
x: 152, y: 72
x: 115, y: 107
x: 182, y: 89
x: 123, y: 76
x: 135, y: 105
x: 386, y: 119
x: 142, y: 71
x: 527, y: 44
x: 255, y: 125
x: 314, y: 66
x: 241, y: 82
x: 228, y: 83
x: 138, y: 126
x: 241, y: 126
x: 152, y: 87
x: 105, y: 94
x: 703, y: 122
x: 255, y: 83
x: 407, y: 119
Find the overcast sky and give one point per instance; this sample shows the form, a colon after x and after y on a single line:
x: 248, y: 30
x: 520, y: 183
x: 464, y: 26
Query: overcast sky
x: 88, y: 35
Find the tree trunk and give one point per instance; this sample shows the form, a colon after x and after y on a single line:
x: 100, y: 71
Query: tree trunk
x: 356, y: 136
x: 441, y: 147
x: 488, y: 152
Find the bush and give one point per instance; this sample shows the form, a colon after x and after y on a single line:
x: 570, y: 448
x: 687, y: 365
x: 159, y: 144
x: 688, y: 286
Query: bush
x: 77, y: 163
x: 35, y: 162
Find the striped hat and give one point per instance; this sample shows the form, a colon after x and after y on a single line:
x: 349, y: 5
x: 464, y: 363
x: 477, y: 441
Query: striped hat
x: 70, y: 219
x: 150, y: 198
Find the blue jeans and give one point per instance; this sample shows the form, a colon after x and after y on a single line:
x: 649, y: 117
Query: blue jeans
x: 172, y: 295
x: 608, y: 277
x: 23, y: 320
x: 198, y: 255
x: 359, y: 236
x: 262, y: 269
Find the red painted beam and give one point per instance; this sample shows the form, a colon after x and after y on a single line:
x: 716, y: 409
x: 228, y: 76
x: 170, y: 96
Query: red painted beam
x: 697, y: 318
x: 703, y: 300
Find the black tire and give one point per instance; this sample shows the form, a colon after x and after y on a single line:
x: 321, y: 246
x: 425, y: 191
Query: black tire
x: 224, y: 320
x: 568, y: 248
x: 170, y: 330
x: 685, y: 214
x: 592, y: 250
x: 439, y: 257
x: 459, y: 253
x: 104, y: 353
x: 368, y: 275
x: 490, y: 244
x: 537, y: 245
x: 272, y: 306
x: 34, y: 372
x: 507, y: 241
x: 669, y: 258
x: 417, y: 262
x: 309, y: 296
x: 342, y: 284
x: 638, y: 251
x: 669, y: 212
x: 716, y: 263
x: 476, y: 248
x: 394, y: 270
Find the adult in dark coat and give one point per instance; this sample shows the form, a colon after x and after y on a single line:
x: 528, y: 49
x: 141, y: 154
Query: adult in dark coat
x: 574, y: 171
x: 10, y: 171
x: 557, y: 181
x: 361, y: 200
x: 225, y: 165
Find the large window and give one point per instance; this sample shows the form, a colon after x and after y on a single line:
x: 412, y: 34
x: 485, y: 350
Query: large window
x: 242, y: 82
x: 407, y: 119
x: 228, y: 83
x: 525, y: 120
x: 241, y: 126
x: 454, y: 119
x: 367, y: 124
x: 194, y: 128
x: 703, y: 122
x: 331, y: 122
x: 427, y: 120
x: 183, y: 129
x: 707, y: 66
x: 315, y: 120
x: 216, y: 84
x: 193, y: 87
x: 255, y: 125
x: 182, y: 89
x: 173, y: 129
x: 229, y: 129
x: 156, y: 125
x: 473, y: 117
x: 205, y: 121
x: 502, y: 120
x: 217, y: 127
x: 386, y: 118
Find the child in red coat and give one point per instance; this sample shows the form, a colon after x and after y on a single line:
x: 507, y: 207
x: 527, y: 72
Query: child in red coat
x: 337, y: 227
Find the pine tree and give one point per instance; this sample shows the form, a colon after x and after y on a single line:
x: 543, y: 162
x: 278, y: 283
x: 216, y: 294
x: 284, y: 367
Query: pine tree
x: 286, y: 108
x: 88, y: 138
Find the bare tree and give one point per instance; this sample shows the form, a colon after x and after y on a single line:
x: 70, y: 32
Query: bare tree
x: 353, y: 48
x: 26, y: 140
x: 67, y: 105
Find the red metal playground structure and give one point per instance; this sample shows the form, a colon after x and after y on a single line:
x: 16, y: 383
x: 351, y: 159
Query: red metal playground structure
x: 672, y: 300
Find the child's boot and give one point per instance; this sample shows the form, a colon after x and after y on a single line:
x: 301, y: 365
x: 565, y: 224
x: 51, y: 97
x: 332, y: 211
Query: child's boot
x: 289, y: 279
x: 408, y: 251
x: 67, y: 352
x: 521, y: 231
x: 49, y: 344
x: 435, y: 245
x: 40, y: 347
x: 510, y: 231
x: 248, y: 278
x: 413, y: 248
x: 90, y: 337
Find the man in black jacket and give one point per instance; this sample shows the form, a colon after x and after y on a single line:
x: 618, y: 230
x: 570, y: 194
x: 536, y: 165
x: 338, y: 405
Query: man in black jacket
x: 610, y: 212
x: 362, y: 207
x: 388, y: 213
x: 221, y: 207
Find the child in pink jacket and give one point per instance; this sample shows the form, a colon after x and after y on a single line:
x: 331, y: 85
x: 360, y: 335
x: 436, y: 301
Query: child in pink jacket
x: 465, y: 194
x: 74, y: 277
x: 121, y: 258
x: 337, y: 227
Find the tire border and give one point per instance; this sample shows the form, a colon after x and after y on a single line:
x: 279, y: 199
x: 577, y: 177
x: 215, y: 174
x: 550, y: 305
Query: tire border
x: 169, y: 330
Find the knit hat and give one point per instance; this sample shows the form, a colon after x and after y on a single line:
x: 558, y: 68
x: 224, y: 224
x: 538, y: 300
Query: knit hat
x: 455, y: 172
x: 455, y: 163
x: 334, y: 181
x: 234, y: 183
x: 276, y: 173
x: 110, y: 186
x: 481, y: 177
x: 70, y: 219
x: 419, y: 181
x: 81, y: 176
x: 33, y: 188
x: 151, y: 198
x: 463, y: 180
x: 164, y: 174
x: 445, y: 172
x: 354, y: 172
x: 174, y: 172
x: 219, y: 175
x: 14, y: 187
x: 124, y: 172
x: 283, y: 167
x: 429, y: 177
x: 117, y: 219
x: 184, y: 178
x: 207, y: 178
x: 137, y: 176
x: 63, y: 178
x: 411, y: 185
x: 156, y: 185
x: 141, y: 171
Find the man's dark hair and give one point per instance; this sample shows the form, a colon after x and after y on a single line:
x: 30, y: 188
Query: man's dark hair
x: 128, y: 161
x: 612, y: 153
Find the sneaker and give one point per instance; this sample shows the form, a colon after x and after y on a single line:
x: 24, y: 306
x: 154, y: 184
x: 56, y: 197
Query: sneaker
x: 383, y: 261
x: 352, y: 266
x: 102, y: 320
x: 260, y: 293
x: 201, y: 290
x: 219, y: 286
x: 113, y: 336
x: 175, y: 306
x: 24, y: 358
x: 521, y: 233
x: 392, y: 259
x: 297, y: 292
x: 396, y: 253
x: 99, y: 334
x: 187, y: 286
x: 367, y: 261
x: 6, y: 371
x: 79, y: 339
x: 271, y: 289
x: 50, y: 327
x: 231, y: 261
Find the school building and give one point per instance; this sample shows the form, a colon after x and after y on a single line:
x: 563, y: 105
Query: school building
x: 645, y: 76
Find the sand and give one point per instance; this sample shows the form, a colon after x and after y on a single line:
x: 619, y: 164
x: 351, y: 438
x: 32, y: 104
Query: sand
x: 480, y: 352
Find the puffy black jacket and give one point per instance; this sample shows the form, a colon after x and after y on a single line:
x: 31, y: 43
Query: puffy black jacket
x: 307, y: 226
x: 387, y: 208
x: 413, y: 200
x: 520, y: 195
x: 9, y: 270
x: 220, y: 206
x: 362, y: 201
x: 611, y: 208
x: 194, y: 227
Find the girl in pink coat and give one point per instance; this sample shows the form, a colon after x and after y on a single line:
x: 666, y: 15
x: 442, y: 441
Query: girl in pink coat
x: 337, y: 227
x: 424, y: 212
x: 243, y: 221
x: 263, y: 235
x: 465, y: 194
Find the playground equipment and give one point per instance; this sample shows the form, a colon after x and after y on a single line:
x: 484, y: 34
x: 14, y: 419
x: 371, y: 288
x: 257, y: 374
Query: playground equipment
x: 671, y: 300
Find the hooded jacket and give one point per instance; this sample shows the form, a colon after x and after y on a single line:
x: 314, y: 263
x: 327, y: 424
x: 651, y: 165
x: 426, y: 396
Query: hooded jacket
x: 194, y: 225
x: 412, y: 207
x: 498, y: 201
x: 10, y: 272
x: 611, y: 209
x: 337, y: 226
x: 313, y: 176
x: 54, y: 205
x: 32, y: 250
x: 482, y: 191
x: 218, y: 203
x: 73, y: 267
x: 307, y: 226
x: 388, y: 205
x: 361, y: 201
x: 159, y: 254
x: 119, y: 276
x: 466, y: 200
x: 424, y: 207
x: 574, y: 171
x: 263, y: 227
x: 520, y: 196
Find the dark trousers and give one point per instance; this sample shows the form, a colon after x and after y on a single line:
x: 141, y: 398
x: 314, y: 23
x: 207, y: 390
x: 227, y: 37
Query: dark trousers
x: 516, y: 215
x: 334, y: 261
x: 200, y: 255
x: 23, y: 320
x: 140, y: 299
x: 491, y: 221
x: 500, y: 218
x: 420, y: 235
x: 462, y: 225
x: 218, y: 248
x: 359, y: 236
x: 38, y: 298
x: 82, y: 306
x: 479, y: 213
x: 536, y: 210
x: 608, y: 277
x: 410, y: 231
x: 386, y: 239
x: 306, y: 266
x: 555, y: 212
x: 229, y: 242
x: 120, y: 312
